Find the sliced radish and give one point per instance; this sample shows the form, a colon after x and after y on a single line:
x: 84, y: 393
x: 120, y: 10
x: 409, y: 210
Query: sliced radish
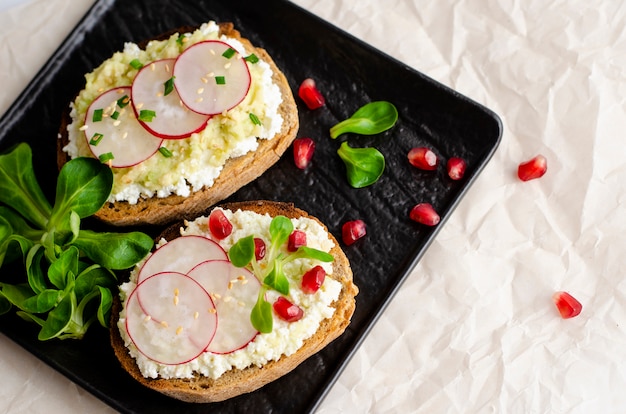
x: 181, y: 255
x: 153, y: 89
x: 170, y: 318
x: 113, y: 132
x: 234, y: 291
x: 211, y: 77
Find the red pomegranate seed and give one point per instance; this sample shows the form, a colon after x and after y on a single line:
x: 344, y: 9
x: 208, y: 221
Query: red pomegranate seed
x: 423, y: 158
x: 567, y: 305
x: 259, y: 248
x: 424, y: 213
x: 219, y: 225
x: 533, y: 168
x: 351, y: 231
x: 311, y: 96
x: 456, y: 168
x: 286, y: 310
x: 297, y: 239
x: 313, y: 279
x: 303, y: 149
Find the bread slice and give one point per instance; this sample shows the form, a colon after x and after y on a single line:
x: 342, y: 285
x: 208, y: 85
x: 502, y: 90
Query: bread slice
x: 236, y: 173
x: 235, y: 382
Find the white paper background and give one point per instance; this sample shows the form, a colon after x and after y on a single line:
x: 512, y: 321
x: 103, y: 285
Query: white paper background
x: 473, y: 329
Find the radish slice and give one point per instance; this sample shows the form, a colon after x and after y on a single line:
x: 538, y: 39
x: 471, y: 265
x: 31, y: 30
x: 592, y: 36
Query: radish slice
x: 181, y: 255
x: 112, y: 129
x: 153, y: 89
x: 234, y: 291
x: 170, y: 318
x: 211, y: 77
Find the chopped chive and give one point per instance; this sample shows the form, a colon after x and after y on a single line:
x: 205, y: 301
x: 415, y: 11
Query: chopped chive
x: 123, y: 101
x: 146, y: 115
x: 97, y: 115
x: 255, y: 119
x: 169, y: 86
x: 252, y: 58
x: 220, y: 80
x: 95, y: 140
x: 228, y: 53
x: 181, y: 39
x: 106, y: 157
x: 136, y: 64
x: 165, y: 152
x: 115, y: 115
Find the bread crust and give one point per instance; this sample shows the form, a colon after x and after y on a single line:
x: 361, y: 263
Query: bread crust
x: 235, y: 382
x: 236, y: 173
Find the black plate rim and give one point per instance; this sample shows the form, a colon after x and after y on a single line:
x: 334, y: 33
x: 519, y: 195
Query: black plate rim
x: 99, y: 6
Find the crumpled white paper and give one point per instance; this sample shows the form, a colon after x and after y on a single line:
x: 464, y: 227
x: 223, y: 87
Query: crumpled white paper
x: 473, y: 329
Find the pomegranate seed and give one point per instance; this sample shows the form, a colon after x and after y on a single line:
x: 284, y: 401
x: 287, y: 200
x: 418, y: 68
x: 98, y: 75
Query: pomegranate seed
x: 303, y: 149
x: 259, y: 248
x: 533, y: 168
x: 286, y: 310
x: 424, y: 213
x: 219, y: 225
x: 313, y: 279
x: 297, y: 239
x: 456, y: 168
x: 423, y: 158
x: 351, y: 231
x: 567, y: 305
x: 311, y: 96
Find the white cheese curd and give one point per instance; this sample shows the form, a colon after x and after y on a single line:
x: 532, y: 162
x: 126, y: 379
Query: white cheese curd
x: 198, y: 160
x: 286, y: 337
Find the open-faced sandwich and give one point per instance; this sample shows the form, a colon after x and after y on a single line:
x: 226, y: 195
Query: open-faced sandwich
x: 184, y: 120
x: 232, y: 301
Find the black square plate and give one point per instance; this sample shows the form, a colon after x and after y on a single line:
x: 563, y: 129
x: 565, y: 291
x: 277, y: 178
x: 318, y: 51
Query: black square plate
x: 350, y: 74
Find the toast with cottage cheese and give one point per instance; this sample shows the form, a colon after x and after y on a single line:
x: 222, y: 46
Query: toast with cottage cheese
x: 239, y: 170
x: 201, y: 389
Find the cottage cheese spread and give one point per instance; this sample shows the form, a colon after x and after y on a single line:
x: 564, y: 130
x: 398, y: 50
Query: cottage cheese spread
x: 286, y: 338
x: 198, y: 160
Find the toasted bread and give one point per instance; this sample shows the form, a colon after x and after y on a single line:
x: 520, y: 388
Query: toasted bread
x: 234, y: 382
x: 236, y: 173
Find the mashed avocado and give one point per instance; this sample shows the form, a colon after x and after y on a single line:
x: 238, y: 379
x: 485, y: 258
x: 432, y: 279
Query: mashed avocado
x: 196, y: 161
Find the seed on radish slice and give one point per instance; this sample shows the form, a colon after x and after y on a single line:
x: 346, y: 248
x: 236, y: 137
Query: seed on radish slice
x: 170, y: 318
x: 234, y: 291
x: 211, y: 77
x: 113, y: 132
x: 153, y: 89
x: 181, y: 255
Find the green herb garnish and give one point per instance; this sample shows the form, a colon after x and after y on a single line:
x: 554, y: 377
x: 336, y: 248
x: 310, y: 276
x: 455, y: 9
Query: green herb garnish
x: 252, y: 58
x: 370, y: 119
x: 220, y: 80
x: 136, y: 64
x: 95, y: 139
x: 364, y: 166
x: 181, y: 39
x: 255, y: 119
x: 115, y: 115
x: 229, y: 53
x: 68, y: 279
x: 241, y: 254
x: 168, y: 86
x: 106, y: 157
x: 146, y: 115
x: 165, y: 152
x: 123, y: 101
x: 97, y: 115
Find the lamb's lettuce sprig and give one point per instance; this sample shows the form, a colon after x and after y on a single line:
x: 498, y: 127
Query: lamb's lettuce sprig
x: 69, y: 271
x: 272, y: 276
